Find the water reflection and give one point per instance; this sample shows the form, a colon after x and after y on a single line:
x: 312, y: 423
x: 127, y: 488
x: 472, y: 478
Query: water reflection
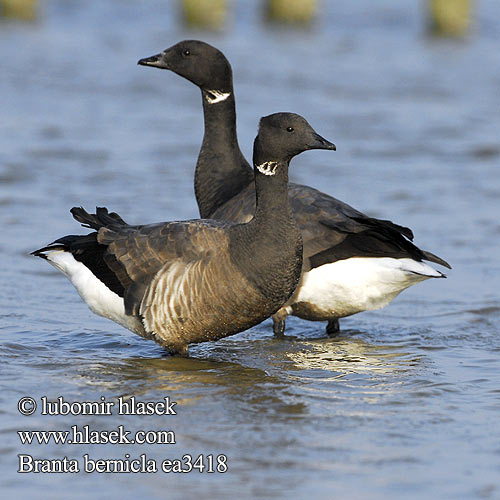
x: 342, y: 356
x: 277, y: 383
x: 193, y: 382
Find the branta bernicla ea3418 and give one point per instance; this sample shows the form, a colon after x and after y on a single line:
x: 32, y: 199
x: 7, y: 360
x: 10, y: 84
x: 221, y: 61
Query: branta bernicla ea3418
x: 352, y: 262
x: 194, y: 281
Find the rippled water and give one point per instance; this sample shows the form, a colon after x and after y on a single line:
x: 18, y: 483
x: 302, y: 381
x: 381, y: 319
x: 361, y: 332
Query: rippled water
x: 405, y: 403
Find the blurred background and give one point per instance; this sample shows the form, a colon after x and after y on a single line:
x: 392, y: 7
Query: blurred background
x: 404, y: 403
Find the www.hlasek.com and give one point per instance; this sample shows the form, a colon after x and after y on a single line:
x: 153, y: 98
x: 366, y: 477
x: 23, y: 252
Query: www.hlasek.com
x: 84, y: 435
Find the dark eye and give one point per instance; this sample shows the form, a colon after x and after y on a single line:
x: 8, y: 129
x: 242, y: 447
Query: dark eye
x: 289, y: 129
x: 186, y: 52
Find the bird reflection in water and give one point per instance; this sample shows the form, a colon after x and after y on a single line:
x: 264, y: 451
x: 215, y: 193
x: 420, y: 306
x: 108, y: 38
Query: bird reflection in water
x: 192, y: 382
x: 347, y: 355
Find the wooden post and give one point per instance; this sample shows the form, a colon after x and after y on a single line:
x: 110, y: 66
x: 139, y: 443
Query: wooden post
x: 291, y: 11
x: 450, y: 17
x: 209, y: 14
x: 19, y: 9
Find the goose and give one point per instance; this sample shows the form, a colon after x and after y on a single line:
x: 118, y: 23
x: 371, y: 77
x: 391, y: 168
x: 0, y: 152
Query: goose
x: 352, y: 263
x: 193, y: 281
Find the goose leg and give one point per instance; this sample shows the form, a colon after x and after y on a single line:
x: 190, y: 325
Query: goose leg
x: 279, y: 323
x: 279, y: 327
x: 181, y: 352
x: 333, y: 327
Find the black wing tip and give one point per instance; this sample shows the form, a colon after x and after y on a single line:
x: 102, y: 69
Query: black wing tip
x: 434, y: 258
x: 83, y: 217
x: 90, y: 221
x: 101, y: 218
x: 385, y: 223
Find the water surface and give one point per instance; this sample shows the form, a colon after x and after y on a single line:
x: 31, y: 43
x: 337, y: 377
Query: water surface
x: 404, y: 403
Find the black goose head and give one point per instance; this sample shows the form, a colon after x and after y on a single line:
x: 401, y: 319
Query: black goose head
x: 281, y: 137
x: 198, y: 62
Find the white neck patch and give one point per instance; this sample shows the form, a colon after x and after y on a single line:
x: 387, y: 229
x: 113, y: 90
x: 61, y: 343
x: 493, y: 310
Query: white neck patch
x: 268, y: 167
x: 215, y: 96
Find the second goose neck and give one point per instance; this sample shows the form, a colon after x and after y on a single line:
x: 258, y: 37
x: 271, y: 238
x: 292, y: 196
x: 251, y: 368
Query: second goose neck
x: 221, y: 170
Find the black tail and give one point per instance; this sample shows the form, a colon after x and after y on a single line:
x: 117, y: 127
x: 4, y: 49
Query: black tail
x: 63, y: 243
x: 41, y: 251
x: 86, y: 249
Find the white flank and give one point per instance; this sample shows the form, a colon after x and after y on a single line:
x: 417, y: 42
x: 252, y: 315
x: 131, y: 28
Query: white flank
x: 268, y: 168
x: 215, y: 96
x: 360, y: 284
x: 100, y: 299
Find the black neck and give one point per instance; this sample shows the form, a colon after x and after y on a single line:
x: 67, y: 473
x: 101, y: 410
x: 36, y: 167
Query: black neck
x: 271, y: 193
x: 221, y: 170
x: 268, y: 249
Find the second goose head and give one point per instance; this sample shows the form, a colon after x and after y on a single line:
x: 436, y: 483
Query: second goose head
x: 200, y: 63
